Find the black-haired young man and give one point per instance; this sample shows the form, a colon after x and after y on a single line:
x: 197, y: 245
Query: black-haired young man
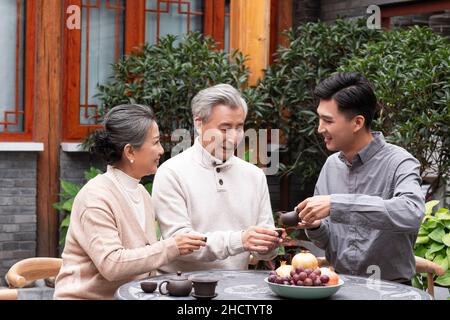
x: 367, y: 205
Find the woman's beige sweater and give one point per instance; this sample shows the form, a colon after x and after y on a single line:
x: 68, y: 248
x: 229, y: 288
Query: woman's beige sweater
x: 105, y: 245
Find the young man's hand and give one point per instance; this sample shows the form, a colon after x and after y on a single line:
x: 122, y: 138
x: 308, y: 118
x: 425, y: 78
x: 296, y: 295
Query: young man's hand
x: 314, y: 225
x: 313, y: 209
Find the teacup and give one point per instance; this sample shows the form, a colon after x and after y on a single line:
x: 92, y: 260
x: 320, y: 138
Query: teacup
x: 279, y: 231
x: 204, y: 287
x: 148, y: 286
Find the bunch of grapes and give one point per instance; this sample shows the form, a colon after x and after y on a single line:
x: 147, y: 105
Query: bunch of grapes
x: 301, y: 277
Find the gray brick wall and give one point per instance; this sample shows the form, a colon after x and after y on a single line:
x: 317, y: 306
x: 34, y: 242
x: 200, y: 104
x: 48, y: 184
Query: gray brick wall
x: 17, y: 208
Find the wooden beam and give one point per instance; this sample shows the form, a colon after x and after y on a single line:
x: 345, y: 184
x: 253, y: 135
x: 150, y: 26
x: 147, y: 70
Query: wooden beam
x: 285, y: 20
x: 214, y: 21
x: 403, y: 9
x: 47, y: 126
x: 250, y: 33
x: 134, y: 25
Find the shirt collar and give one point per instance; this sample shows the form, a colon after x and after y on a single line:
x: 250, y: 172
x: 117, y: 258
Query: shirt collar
x: 207, y: 160
x: 366, y: 153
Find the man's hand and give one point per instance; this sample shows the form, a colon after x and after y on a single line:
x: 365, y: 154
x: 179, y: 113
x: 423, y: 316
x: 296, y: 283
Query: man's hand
x: 260, y: 240
x: 303, y: 225
x: 313, y: 209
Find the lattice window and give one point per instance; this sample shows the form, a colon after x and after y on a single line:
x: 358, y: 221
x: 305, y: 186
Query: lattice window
x: 102, y: 43
x: 108, y: 28
x: 17, y: 43
x: 172, y: 17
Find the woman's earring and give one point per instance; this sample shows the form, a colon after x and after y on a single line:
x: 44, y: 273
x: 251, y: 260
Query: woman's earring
x: 132, y: 161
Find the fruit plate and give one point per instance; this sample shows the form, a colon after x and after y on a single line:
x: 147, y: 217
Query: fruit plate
x: 298, y: 292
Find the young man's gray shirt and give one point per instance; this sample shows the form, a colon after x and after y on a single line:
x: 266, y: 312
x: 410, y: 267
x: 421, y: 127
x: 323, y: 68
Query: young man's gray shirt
x: 377, y: 207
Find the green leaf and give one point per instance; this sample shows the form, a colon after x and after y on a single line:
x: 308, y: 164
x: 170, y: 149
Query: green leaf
x: 446, y: 239
x: 443, y: 214
x: 67, y: 205
x: 430, y: 205
x: 422, y: 240
x: 92, y: 173
x: 65, y: 222
x: 441, y: 259
x: 149, y: 187
x: 443, y: 280
x: 430, y: 255
x: 158, y: 230
x: 435, y: 247
x: 416, y: 283
x: 423, y: 231
x: 70, y: 188
x: 437, y: 235
x: 420, y: 251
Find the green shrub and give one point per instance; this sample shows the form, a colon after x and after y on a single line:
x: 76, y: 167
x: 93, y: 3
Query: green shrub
x: 69, y: 192
x: 433, y: 243
x: 284, y: 97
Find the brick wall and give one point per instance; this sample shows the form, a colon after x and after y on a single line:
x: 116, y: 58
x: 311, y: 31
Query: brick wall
x: 17, y: 208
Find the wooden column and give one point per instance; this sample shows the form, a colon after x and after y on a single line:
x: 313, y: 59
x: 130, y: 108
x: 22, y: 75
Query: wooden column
x: 134, y: 25
x: 250, y: 33
x: 47, y: 125
x: 280, y: 21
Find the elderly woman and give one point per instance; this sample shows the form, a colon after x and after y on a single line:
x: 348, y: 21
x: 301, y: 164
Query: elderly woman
x: 112, y: 234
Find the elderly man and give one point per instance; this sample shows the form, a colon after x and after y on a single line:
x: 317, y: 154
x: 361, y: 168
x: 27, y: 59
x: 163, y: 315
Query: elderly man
x: 208, y: 190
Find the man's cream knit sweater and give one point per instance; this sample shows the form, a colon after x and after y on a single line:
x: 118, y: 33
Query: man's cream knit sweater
x: 195, y: 192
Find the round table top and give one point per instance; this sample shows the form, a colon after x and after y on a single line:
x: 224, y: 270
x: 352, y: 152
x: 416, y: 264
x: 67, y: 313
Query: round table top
x: 250, y: 285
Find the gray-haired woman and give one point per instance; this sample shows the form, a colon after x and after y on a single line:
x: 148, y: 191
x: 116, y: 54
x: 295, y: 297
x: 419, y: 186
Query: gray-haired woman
x: 112, y: 236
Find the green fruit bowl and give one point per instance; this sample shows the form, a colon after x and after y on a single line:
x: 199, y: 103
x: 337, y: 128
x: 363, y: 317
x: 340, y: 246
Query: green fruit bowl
x: 297, y: 292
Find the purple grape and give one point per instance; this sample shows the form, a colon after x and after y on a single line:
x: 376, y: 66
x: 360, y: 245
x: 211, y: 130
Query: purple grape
x: 302, y: 276
x: 308, y: 282
x: 324, y: 279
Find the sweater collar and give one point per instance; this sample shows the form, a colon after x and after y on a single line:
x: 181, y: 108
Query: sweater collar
x: 128, y: 182
x: 207, y: 160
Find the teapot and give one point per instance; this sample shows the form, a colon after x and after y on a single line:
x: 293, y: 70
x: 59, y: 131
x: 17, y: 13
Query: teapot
x: 290, y: 218
x: 178, y: 286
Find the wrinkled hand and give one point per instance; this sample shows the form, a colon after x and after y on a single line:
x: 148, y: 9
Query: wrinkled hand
x: 260, y: 240
x: 188, y: 243
x: 313, y: 209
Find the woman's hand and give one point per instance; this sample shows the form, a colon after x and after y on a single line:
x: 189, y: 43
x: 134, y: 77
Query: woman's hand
x: 187, y: 242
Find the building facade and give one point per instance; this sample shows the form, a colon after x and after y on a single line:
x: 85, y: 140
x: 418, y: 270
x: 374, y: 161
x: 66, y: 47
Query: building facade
x: 55, y: 54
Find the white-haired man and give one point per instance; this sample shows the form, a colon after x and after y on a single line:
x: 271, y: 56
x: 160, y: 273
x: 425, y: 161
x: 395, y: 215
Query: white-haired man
x: 208, y: 190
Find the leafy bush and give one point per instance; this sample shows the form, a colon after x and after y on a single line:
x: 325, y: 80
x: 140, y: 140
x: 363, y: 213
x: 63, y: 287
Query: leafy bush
x: 70, y: 191
x: 168, y: 75
x: 433, y: 243
x: 284, y: 97
x: 410, y: 69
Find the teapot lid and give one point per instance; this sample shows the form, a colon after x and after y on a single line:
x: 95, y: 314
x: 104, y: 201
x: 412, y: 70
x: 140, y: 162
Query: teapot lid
x: 179, y: 277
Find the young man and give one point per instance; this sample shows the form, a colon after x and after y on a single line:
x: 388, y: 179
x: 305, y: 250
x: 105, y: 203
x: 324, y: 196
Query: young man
x: 208, y: 190
x: 367, y: 205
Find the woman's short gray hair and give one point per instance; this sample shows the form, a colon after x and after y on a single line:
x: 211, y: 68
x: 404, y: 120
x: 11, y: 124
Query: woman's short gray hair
x: 208, y: 98
x: 124, y: 124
